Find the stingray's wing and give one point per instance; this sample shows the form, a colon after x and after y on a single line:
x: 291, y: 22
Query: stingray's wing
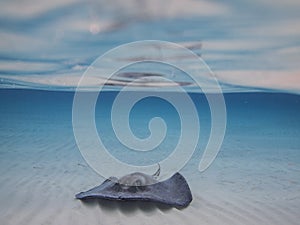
x: 174, y: 192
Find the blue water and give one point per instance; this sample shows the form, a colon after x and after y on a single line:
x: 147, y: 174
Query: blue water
x: 258, y: 163
x: 266, y: 126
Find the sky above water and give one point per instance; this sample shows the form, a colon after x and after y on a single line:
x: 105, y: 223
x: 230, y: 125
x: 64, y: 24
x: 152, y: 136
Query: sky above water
x: 249, y: 45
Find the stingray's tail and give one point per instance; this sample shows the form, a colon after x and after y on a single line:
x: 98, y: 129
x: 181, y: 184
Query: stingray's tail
x: 156, y: 174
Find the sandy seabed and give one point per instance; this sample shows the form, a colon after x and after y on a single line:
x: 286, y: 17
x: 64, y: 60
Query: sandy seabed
x: 39, y: 189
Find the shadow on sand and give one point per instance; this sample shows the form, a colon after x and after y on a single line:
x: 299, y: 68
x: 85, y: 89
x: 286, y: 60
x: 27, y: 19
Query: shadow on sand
x: 126, y: 207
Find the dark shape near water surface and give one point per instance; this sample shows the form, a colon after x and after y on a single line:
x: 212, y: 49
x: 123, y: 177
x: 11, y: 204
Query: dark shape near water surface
x: 173, y: 192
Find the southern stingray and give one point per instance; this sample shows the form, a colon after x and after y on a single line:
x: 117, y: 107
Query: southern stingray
x: 137, y: 186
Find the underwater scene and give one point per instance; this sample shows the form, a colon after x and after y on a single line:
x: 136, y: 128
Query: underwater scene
x: 101, y: 92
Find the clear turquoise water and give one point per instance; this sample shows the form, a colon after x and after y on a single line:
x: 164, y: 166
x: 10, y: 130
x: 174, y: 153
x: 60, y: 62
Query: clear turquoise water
x: 261, y: 127
x: 257, y: 169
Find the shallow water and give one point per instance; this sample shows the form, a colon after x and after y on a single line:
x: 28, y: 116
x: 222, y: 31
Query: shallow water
x: 255, y: 177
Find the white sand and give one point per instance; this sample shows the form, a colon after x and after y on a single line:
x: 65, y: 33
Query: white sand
x: 39, y: 189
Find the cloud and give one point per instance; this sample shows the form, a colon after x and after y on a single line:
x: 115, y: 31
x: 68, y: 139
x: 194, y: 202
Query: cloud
x: 269, y: 80
x: 172, y: 8
x: 26, y: 9
x: 249, y: 44
x: 18, y: 66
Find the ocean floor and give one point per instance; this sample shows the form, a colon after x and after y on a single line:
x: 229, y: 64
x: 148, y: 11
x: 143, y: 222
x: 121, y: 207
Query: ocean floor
x: 255, y: 178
